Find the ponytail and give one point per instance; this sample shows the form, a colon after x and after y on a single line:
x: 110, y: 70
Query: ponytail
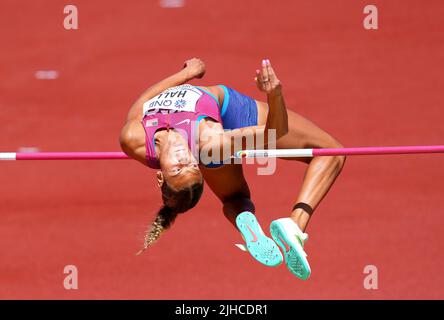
x: 164, y: 219
x: 183, y: 200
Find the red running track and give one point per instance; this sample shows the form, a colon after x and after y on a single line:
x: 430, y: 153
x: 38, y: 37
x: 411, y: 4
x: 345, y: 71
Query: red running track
x: 376, y: 88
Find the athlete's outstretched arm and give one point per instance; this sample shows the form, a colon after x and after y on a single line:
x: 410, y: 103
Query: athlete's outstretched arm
x: 277, y: 118
x: 248, y: 137
x: 132, y: 135
x: 194, y: 68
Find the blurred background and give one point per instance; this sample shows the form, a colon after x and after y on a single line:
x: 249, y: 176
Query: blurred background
x: 70, y: 90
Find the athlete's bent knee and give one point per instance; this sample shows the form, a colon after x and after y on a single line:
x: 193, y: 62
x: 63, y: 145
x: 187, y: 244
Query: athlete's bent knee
x: 339, y: 161
x: 237, y: 200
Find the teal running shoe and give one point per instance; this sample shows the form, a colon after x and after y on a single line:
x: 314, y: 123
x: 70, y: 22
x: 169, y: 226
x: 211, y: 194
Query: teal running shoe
x: 291, y: 239
x: 261, y: 247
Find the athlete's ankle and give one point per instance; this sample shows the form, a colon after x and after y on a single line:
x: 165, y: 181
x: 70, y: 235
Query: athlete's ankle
x: 300, y: 220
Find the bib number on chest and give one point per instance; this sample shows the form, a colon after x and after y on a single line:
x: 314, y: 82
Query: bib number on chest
x: 175, y: 99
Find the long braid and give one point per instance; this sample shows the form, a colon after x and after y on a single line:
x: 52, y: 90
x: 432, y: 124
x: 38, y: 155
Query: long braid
x: 165, y: 217
x: 183, y: 199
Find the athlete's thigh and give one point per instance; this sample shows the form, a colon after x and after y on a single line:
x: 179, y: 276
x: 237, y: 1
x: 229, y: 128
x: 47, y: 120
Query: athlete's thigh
x: 227, y: 181
x: 302, y: 133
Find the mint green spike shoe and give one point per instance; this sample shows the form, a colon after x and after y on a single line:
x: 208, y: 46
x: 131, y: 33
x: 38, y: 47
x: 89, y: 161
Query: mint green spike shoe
x: 261, y: 247
x: 291, y: 239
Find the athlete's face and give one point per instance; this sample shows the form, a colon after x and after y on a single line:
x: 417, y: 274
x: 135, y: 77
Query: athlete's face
x: 179, y: 167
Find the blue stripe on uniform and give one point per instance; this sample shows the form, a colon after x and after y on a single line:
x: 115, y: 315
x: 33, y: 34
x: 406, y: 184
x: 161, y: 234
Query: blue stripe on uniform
x: 211, y: 164
x: 226, y: 100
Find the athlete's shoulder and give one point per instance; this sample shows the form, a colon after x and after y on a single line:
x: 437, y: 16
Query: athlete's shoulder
x: 217, y: 91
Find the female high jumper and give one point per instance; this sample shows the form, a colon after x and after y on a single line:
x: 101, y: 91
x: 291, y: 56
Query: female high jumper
x: 173, y: 123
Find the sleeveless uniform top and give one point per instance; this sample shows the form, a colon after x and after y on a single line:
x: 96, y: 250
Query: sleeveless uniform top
x: 180, y: 108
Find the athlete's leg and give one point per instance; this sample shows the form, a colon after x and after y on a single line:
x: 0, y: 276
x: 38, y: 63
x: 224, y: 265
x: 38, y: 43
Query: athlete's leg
x: 229, y: 185
x: 319, y: 177
x: 321, y: 171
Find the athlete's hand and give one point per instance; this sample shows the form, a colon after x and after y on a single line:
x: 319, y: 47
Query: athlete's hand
x: 266, y: 79
x: 195, y: 68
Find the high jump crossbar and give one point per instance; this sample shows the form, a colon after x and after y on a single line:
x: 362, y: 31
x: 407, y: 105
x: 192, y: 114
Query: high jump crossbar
x: 270, y: 153
x: 367, y: 151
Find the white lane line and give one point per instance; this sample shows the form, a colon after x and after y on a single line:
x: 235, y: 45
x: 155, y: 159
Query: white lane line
x: 28, y: 150
x: 46, y: 74
x: 172, y: 3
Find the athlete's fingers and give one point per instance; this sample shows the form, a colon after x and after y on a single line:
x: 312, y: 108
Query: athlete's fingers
x: 258, y: 77
x: 258, y: 80
x: 271, y: 71
x: 271, y: 79
x: 265, y: 76
x: 275, y: 83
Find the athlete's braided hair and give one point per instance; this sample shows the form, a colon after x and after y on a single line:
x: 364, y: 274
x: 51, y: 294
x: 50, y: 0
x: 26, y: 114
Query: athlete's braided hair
x: 178, y: 202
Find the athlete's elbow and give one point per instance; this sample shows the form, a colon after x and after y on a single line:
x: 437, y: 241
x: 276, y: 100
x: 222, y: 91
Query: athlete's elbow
x: 124, y: 139
x: 283, y: 130
x: 128, y: 142
x: 125, y: 146
x: 280, y: 130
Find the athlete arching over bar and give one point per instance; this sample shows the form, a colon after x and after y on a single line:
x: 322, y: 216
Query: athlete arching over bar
x: 164, y: 128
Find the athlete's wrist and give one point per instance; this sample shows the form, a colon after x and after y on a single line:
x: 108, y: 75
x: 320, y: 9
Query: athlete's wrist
x: 185, y: 75
x: 275, y: 94
x: 276, y: 90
